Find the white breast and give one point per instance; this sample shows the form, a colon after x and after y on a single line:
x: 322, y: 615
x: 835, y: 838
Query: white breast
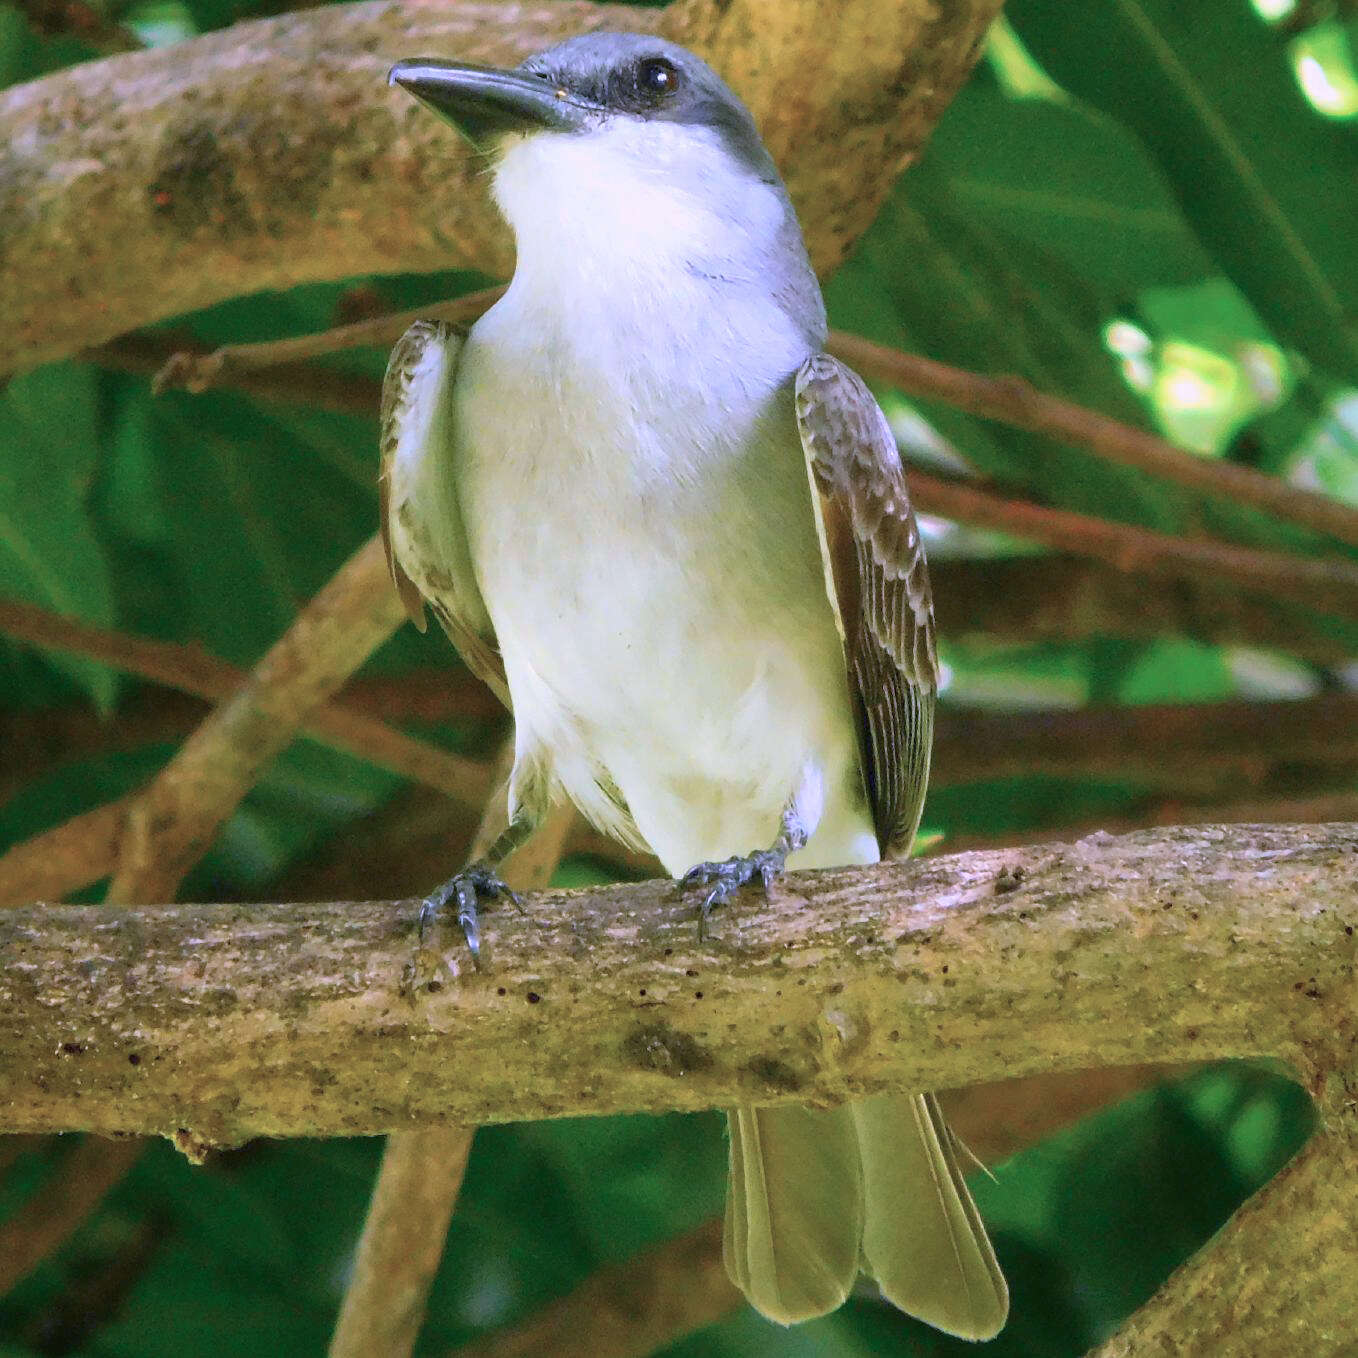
x: 641, y: 530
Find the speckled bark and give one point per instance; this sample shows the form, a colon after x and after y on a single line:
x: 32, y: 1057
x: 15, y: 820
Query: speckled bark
x: 238, y: 1021
x: 272, y: 153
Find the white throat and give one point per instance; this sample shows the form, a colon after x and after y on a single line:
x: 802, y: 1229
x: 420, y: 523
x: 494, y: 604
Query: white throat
x: 635, y: 205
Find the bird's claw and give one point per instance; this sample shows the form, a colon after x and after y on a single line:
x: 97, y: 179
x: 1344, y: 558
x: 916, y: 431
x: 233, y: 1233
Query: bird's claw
x: 729, y: 875
x: 466, y: 889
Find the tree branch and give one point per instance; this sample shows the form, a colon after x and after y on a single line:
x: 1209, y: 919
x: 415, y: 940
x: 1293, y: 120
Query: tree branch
x: 55, y: 862
x: 171, y: 824
x: 1192, y: 749
x: 1209, y: 741
x: 1030, y: 600
x: 38, y: 740
x: 286, y: 1020
x: 1324, y: 583
x: 1203, y: 754
x: 76, y: 19
x: 194, y: 670
x: 402, y: 1242
x: 1013, y: 401
x: 1280, y: 1278
x: 272, y: 153
x: 627, y: 1310
x: 1009, y: 400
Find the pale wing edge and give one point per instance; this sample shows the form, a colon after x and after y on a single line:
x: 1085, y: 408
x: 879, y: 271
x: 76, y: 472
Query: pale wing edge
x: 422, y: 533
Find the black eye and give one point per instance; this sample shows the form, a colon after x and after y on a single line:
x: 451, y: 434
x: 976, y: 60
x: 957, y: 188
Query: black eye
x: 657, y: 78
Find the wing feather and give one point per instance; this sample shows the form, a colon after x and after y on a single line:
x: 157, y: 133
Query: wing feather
x: 878, y: 584
x: 423, y: 531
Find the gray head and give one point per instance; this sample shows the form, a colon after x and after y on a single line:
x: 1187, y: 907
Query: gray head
x: 583, y: 84
x: 622, y: 160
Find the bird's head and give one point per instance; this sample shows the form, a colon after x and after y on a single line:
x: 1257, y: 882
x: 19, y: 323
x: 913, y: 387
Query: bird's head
x: 618, y: 136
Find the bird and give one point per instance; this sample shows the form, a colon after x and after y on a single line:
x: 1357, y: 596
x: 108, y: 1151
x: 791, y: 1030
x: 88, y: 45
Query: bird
x: 674, y: 535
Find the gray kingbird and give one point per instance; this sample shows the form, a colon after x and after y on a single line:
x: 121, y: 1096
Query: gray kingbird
x: 674, y: 534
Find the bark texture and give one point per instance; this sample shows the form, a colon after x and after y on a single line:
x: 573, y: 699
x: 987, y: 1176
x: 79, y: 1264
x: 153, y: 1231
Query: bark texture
x: 218, y: 1023
x: 272, y: 153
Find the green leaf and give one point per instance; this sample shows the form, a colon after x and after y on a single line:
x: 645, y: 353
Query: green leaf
x: 962, y: 292
x: 1267, y: 184
x: 935, y: 279
x: 1068, y: 179
x: 1177, y: 671
x: 49, y: 552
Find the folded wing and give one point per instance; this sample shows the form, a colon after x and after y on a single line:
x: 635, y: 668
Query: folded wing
x: 423, y: 529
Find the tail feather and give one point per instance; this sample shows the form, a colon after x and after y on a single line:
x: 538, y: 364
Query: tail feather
x: 794, y: 1213
x: 815, y: 1192
x: 923, y: 1240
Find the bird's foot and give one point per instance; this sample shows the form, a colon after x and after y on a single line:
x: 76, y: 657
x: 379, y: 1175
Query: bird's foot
x: 466, y: 889
x: 729, y: 875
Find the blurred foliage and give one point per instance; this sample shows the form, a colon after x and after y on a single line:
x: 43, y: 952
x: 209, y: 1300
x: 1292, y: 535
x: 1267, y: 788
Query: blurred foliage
x: 1142, y: 206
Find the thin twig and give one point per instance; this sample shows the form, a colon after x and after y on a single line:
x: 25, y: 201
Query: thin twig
x: 76, y: 19
x: 421, y: 1175
x: 1216, y: 749
x: 1327, y: 584
x: 172, y: 823
x: 1222, y: 747
x: 1031, y: 600
x: 308, y: 384
x: 37, y: 741
x: 53, y: 863
x: 225, y: 366
x: 1322, y: 583
x: 1319, y: 807
x: 1016, y: 402
x: 1009, y: 400
x: 194, y: 670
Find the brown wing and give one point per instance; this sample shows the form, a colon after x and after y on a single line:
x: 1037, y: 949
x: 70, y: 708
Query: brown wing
x: 422, y: 525
x: 879, y: 586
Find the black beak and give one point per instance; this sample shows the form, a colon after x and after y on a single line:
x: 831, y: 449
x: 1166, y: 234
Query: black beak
x: 482, y: 102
